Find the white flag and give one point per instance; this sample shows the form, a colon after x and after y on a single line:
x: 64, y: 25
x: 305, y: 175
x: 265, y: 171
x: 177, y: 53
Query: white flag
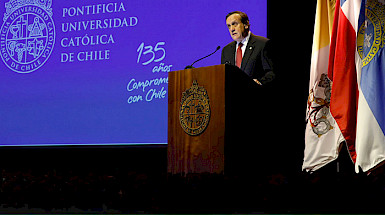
x: 322, y: 135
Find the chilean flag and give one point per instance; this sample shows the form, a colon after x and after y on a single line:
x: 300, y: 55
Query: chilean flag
x: 342, y: 70
x: 357, y: 70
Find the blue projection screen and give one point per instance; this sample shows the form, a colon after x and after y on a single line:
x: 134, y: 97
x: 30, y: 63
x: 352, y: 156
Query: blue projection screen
x: 94, y: 72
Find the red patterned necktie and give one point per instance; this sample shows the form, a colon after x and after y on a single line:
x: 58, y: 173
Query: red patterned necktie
x: 239, y: 55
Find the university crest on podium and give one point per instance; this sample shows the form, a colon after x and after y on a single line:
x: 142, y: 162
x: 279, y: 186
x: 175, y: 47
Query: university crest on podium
x: 194, y: 114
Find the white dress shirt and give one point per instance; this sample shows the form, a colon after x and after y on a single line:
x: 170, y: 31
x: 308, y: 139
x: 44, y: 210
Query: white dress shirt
x: 244, y: 42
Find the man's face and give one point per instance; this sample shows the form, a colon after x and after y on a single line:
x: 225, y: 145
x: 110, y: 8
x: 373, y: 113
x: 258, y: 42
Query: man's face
x: 236, y: 27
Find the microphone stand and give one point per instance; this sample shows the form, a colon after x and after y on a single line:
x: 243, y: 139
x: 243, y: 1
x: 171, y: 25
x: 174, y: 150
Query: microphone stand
x: 191, y: 66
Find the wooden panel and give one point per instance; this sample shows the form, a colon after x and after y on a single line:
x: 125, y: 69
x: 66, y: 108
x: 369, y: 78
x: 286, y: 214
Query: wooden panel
x: 205, y: 152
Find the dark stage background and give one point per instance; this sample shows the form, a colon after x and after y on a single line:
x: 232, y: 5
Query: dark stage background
x: 129, y: 179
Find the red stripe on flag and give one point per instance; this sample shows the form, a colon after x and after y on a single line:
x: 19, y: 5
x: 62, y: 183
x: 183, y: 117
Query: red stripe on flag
x: 342, y: 71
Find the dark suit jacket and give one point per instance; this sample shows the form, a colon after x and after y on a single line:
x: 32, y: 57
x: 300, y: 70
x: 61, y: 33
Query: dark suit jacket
x: 256, y: 62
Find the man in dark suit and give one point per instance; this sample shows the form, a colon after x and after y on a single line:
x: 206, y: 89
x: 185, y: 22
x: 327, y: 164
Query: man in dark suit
x: 252, y: 55
x: 248, y: 51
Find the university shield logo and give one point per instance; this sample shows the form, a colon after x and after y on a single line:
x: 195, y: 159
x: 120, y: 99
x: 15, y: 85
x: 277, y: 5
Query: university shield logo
x: 27, y: 34
x: 194, y: 114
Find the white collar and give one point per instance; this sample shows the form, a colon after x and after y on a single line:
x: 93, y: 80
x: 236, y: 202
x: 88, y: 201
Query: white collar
x: 246, y: 39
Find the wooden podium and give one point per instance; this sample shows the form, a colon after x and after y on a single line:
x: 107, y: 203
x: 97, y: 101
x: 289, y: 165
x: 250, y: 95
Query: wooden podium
x: 210, y: 125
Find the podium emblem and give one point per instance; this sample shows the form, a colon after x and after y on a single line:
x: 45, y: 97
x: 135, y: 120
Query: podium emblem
x: 194, y: 114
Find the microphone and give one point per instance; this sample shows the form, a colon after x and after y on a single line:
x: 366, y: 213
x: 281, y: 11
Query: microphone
x: 191, y: 66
